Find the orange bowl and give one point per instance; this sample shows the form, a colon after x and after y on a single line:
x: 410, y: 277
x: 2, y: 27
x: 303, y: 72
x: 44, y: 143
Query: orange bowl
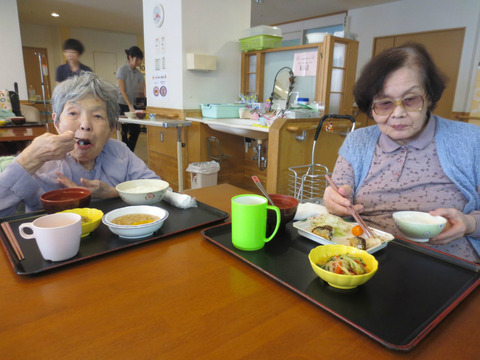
x: 63, y: 199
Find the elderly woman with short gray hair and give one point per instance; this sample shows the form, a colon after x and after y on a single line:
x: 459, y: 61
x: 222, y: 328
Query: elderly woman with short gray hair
x: 84, y: 112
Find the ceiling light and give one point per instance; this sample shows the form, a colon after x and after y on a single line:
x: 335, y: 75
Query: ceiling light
x: 55, y: 14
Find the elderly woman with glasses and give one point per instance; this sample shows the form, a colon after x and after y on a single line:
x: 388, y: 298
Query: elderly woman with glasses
x: 85, y: 111
x: 411, y: 159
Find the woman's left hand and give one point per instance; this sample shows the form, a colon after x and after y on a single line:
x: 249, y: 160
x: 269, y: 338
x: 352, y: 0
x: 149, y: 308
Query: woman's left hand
x: 99, y: 189
x: 458, y: 225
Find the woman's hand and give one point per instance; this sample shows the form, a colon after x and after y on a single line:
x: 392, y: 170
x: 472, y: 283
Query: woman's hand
x: 458, y: 225
x: 99, y: 189
x: 337, y: 202
x: 44, y: 148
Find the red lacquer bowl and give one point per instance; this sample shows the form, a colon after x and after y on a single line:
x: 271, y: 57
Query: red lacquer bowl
x: 63, y: 199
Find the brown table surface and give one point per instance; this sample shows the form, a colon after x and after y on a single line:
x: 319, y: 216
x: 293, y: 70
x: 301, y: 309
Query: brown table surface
x: 185, y: 298
x: 21, y: 133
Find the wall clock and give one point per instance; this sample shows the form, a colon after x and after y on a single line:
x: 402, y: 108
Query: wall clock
x: 158, y: 15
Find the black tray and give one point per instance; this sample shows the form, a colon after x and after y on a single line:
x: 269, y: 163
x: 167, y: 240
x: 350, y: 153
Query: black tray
x: 412, y: 291
x: 102, y: 240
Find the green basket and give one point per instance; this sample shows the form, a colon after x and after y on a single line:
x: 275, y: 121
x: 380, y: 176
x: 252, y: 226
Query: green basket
x: 260, y: 42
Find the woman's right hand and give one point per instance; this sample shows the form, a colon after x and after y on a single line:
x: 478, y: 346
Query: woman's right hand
x: 337, y: 202
x: 44, y: 148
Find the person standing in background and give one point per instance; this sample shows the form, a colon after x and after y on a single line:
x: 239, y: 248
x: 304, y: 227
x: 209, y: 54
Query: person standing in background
x: 129, y: 79
x: 72, y: 50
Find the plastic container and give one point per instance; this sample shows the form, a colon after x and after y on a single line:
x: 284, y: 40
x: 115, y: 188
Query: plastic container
x: 262, y: 30
x: 203, y: 174
x: 260, y: 42
x: 316, y: 37
x: 302, y: 101
x: 221, y: 111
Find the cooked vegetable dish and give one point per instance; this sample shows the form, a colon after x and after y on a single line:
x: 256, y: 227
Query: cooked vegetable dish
x: 345, y: 264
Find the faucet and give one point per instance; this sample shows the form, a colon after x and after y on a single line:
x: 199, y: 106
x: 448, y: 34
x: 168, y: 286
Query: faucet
x: 261, y: 160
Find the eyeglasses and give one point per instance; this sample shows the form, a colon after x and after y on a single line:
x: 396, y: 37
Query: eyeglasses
x: 409, y: 103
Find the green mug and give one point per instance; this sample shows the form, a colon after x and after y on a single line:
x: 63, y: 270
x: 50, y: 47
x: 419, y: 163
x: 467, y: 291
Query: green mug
x: 249, y: 221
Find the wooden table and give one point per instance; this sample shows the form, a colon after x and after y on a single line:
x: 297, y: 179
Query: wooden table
x: 185, y: 298
x: 21, y: 132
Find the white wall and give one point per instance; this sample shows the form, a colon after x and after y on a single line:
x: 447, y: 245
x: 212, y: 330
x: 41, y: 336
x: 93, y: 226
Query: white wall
x: 230, y: 17
x: 47, y: 37
x: 12, y: 69
x: 103, y: 41
x: 212, y: 28
x: 410, y: 16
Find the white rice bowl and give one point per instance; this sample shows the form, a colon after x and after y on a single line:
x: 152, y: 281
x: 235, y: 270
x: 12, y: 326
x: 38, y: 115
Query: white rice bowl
x: 142, y: 191
x: 135, y: 231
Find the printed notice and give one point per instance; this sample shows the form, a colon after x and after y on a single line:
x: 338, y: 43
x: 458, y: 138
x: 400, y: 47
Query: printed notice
x: 305, y: 63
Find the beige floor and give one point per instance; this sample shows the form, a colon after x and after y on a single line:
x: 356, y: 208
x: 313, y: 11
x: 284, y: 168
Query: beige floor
x: 141, y: 148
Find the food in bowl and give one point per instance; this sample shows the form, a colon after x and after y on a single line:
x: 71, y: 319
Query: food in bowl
x: 142, y: 191
x: 321, y: 255
x: 91, y: 218
x: 135, y: 219
x: 3, y: 122
x: 63, y: 199
x: 136, y: 231
x: 419, y: 226
x: 345, y: 264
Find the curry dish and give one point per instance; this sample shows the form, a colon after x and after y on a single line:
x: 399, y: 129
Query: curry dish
x: 135, y: 219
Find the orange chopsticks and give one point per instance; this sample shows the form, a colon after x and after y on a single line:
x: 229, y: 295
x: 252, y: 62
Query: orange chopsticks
x: 352, y: 211
x: 13, y: 240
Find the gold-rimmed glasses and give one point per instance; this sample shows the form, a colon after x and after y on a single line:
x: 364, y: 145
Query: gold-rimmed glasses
x: 384, y: 107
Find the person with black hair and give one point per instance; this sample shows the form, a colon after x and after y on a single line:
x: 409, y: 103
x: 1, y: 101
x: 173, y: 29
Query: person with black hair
x: 129, y: 79
x: 72, y: 50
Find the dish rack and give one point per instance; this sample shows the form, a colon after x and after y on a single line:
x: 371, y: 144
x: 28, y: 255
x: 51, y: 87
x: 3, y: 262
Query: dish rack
x: 307, y: 183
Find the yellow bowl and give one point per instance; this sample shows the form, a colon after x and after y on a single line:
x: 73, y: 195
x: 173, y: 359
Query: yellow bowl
x: 3, y: 122
x: 321, y: 254
x: 90, y: 218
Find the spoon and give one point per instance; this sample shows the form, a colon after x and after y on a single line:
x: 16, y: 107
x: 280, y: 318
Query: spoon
x: 262, y: 189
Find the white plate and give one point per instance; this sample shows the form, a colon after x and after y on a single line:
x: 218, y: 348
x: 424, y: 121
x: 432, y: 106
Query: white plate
x: 303, y: 228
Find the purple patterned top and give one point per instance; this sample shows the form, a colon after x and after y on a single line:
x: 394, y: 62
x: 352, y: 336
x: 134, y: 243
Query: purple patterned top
x: 407, y: 177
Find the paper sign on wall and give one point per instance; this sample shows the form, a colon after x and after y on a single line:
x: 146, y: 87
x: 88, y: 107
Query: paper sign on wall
x: 305, y: 63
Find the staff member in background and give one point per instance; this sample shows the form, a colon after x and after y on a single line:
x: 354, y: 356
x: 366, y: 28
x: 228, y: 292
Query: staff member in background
x: 129, y: 79
x: 72, y: 50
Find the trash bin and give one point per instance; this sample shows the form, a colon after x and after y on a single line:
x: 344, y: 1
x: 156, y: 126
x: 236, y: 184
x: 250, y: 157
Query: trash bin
x: 203, y: 174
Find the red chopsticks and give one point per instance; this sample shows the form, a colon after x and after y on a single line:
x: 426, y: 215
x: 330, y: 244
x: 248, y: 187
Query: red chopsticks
x: 352, y: 211
x: 13, y: 240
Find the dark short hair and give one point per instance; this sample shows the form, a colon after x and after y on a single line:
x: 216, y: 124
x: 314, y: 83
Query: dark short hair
x: 134, y: 51
x: 372, y: 79
x: 73, y: 44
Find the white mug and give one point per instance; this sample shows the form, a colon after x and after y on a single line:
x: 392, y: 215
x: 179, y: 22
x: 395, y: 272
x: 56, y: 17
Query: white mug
x: 57, y: 235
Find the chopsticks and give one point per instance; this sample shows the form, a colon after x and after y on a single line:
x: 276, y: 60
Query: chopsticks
x: 352, y: 211
x: 13, y: 240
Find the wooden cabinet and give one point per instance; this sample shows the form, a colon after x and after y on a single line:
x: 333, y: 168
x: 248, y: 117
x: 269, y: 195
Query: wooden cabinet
x: 334, y: 79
